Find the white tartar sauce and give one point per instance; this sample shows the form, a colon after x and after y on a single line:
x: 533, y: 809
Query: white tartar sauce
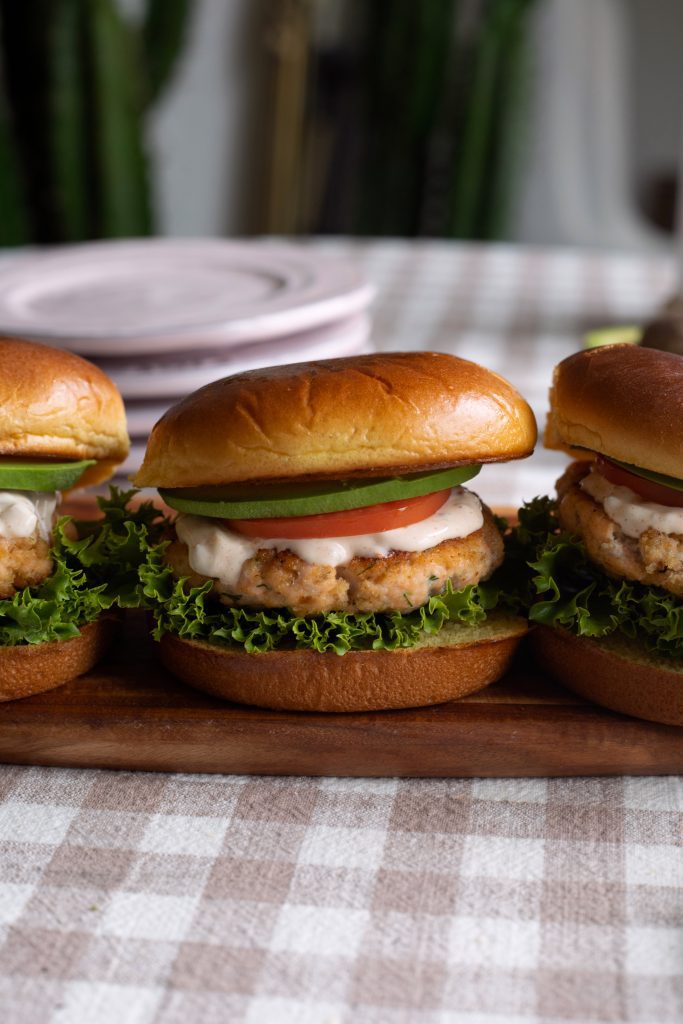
x: 629, y: 511
x: 22, y: 513
x: 217, y: 551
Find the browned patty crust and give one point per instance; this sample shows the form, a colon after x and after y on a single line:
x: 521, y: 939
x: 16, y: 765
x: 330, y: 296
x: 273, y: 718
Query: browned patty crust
x: 399, y: 582
x: 24, y: 561
x: 655, y: 558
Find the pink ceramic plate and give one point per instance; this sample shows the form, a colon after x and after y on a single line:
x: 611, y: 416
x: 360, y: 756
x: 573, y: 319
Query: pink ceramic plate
x: 152, y: 295
x: 178, y: 373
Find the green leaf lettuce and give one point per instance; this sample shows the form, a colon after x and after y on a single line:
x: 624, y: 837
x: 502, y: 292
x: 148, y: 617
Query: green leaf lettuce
x: 560, y: 586
x: 96, y: 572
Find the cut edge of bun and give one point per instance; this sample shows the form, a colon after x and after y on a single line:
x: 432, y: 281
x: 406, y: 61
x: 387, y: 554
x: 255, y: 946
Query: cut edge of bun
x: 613, y: 673
x: 29, y: 669
x: 356, y: 681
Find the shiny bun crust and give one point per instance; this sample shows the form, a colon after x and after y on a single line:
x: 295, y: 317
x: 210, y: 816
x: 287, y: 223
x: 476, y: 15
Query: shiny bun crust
x: 623, y: 401
x: 384, y: 413
x: 358, y: 681
x: 36, y: 668
x: 617, y: 676
x: 53, y: 403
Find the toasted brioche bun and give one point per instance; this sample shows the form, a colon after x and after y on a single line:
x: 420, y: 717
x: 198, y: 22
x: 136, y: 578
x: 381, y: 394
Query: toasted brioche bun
x: 375, y: 414
x: 35, y: 668
x: 456, y: 661
x: 623, y: 401
x: 54, y: 404
x: 614, y: 672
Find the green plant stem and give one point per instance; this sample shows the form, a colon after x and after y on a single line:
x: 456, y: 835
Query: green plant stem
x: 164, y: 29
x: 407, y: 46
x: 478, y: 140
x: 119, y: 160
x: 14, y: 222
x: 66, y: 126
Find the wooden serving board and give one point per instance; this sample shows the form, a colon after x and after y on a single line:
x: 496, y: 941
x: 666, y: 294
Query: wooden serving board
x: 130, y: 713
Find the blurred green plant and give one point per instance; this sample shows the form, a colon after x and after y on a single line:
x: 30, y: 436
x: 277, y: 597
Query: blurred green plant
x: 442, y: 96
x: 77, y: 80
x: 490, y: 125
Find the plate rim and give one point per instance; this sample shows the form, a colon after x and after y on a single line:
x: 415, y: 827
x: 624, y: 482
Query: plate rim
x: 320, y: 305
x: 152, y: 385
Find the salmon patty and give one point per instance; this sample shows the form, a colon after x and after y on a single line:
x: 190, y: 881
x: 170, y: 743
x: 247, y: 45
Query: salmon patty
x: 402, y: 581
x: 654, y: 558
x: 24, y: 561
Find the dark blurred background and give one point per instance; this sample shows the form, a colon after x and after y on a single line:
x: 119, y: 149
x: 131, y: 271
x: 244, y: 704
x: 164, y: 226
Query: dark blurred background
x: 549, y: 121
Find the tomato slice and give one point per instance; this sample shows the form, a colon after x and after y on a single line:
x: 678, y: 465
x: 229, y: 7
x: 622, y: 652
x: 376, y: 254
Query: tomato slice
x: 389, y: 515
x: 647, y: 489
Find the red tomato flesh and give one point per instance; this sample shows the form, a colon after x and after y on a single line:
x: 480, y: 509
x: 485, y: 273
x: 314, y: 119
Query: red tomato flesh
x: 389, y: 515
x: 647, y: 489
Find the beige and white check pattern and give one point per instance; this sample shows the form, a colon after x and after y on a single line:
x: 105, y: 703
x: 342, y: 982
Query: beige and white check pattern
x: 156, y: 899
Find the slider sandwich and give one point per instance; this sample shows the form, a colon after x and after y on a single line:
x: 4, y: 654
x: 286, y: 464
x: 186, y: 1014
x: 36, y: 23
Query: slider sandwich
x: 606, y: 583
x: 62, y: 426
x: 326, y: 555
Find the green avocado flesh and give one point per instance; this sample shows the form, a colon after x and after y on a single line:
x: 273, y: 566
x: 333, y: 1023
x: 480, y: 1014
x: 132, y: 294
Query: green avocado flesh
x: 18, y: 475
x: 657, y: 478
x: 622, y: 334
x: 312, y: 498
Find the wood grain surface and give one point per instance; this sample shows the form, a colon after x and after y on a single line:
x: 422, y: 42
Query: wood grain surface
x: 130, y: 713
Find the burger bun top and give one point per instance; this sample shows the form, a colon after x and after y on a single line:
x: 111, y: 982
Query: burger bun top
x: 55, y: 405
x: 622, y: 401
x: 380, y: 414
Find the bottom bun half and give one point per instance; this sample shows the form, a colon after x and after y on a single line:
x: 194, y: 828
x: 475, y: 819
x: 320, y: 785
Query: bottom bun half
x: 35, y: 668
x: 453, y: 663
x: 614, y: 672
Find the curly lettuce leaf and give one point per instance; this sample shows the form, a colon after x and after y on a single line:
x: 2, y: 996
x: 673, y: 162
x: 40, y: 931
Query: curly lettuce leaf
x: 56, y: 608
x: 191, y: 613
x: 560, y: 586
x: 96, y: 572
x: 112, y: 549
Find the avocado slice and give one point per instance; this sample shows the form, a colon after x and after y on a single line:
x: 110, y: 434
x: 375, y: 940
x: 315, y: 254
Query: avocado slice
x: 622, y: 334
x: 24, y: 475
x: 647, y: 474
x: 311, y: 498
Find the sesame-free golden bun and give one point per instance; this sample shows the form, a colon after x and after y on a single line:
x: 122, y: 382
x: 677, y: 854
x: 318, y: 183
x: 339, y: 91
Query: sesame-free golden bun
x: 28, y: 669
x: 622, y: 401
x: 613, y: 671
x: 382, y: 414
x: 446, y: 666
x: 53, y: 404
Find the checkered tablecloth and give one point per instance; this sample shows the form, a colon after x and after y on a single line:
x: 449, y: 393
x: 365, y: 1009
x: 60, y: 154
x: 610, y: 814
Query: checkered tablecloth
x: 144, y: 898
x: 137, y: 899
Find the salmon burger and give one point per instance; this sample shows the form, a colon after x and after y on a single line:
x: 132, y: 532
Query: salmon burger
x: 62, y: 426
x: 607, y: 555
x: 321, y: 512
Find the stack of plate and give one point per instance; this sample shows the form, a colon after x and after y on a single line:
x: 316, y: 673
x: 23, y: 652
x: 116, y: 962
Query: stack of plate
x: 164, y: 317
